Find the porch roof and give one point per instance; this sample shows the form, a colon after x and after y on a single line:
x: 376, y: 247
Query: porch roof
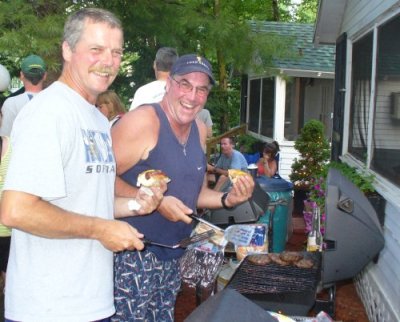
x: 329, y: 20
x: 310, y: 60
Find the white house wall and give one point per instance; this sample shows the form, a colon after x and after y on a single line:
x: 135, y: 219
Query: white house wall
x: 379, y: 284
x: 361, y: 15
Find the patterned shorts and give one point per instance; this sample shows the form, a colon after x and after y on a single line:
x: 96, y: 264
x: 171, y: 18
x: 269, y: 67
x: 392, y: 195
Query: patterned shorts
x: 145, y: 288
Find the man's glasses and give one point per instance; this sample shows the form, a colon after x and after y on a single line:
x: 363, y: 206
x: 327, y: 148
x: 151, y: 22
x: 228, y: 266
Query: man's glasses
x: 186, y: 87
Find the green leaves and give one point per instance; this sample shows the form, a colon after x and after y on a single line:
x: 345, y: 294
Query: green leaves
x: 314, y: 152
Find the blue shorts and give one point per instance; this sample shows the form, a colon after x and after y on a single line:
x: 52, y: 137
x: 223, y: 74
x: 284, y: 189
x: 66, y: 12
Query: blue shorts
x: 145, y: 288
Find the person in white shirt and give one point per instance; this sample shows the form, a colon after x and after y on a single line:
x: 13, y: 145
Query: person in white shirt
x: 153, y: 92
x: 205, y: 116
x: 33, y: 74
x: 59, y: 191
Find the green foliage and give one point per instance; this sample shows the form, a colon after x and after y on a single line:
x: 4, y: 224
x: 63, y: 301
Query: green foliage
x: 247, y: 143
x: 306, y: 11
x: 220, y: 30
x: 360, y: 178
x: 28, y: 27
x: 314, y: 154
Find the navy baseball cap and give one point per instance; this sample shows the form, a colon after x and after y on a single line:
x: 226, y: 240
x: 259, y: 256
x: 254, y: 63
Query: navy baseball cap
x: 192, y: 63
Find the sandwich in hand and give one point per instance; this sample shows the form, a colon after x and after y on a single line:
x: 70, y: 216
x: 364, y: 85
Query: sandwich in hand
x: 234, y: 174
x: 146, y: 180
x: 152, y: 178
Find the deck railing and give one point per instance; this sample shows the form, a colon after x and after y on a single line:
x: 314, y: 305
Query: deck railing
x: 215, y: 140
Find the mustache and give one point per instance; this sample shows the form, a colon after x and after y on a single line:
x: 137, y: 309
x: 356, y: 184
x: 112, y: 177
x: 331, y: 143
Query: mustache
x: 103, y: 70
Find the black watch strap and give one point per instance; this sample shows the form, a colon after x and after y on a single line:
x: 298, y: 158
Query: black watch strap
x: 223, y: 198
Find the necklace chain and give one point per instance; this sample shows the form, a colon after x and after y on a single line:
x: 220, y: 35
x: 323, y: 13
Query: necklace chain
x: 184, y: 142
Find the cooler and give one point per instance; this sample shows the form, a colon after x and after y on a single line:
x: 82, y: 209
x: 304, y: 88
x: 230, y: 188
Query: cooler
x: 280, y: 193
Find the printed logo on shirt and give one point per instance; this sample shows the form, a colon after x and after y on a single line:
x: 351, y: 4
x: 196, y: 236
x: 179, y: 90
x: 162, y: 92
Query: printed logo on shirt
x: 99, y: 155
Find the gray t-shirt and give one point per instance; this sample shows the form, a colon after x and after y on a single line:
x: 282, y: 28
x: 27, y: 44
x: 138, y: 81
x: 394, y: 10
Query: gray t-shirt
x: 10, y: 109
x: 204, y: 115
x: 62, y: 152
x: 236, y: 161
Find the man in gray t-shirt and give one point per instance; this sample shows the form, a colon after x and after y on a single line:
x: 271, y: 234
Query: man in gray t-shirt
x: 229, y: 159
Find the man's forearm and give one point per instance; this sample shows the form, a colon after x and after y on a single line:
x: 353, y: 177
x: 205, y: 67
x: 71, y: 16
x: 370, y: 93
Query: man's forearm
x: 31, y: 214
x: 220, y: 171
x: 124, y: 189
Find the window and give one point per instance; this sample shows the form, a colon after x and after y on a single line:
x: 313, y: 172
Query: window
x: 254, y: 105
x: 385, y: 157
x: 294, y: 110
x: 360, y: 96
x: 262, y: 106
x: 306, y: 99
x: 380, y: 151
x: 267, y: 107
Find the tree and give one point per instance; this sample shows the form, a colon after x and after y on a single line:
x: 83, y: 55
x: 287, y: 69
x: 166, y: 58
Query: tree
x: 28, y: 27
x: 314, y: 154
x: 217, y: 29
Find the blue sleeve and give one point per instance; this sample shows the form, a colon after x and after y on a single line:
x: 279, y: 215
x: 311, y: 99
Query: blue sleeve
x: 219, y: 162
x: 238, y: 161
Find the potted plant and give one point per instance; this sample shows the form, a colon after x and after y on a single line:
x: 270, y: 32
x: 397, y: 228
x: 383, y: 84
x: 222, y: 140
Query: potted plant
x: 314, y: 154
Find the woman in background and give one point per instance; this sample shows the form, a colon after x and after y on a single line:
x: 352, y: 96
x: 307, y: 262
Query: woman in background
x: 110, y: 105
x: 267, y: 164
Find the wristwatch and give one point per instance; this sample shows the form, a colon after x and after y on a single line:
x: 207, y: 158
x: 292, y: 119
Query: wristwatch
x: 223, y: 198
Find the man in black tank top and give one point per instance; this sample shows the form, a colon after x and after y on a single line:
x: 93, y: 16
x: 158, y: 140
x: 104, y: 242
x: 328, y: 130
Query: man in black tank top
x: 167, y: 137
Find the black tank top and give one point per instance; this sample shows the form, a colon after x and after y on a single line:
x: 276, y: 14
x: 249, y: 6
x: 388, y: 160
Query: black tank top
x: 186, y: 173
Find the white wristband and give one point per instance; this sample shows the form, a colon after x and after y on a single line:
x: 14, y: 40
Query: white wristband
x: 133, y: 205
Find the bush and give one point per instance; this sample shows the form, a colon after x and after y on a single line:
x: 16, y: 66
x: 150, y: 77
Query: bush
x: 314, y: 152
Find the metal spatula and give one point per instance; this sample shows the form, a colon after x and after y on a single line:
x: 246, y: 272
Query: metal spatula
x: 184, y: 242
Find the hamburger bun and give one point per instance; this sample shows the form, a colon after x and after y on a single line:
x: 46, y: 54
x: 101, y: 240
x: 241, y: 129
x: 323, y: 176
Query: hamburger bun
x: 234, y: 174
x: 152, y: 178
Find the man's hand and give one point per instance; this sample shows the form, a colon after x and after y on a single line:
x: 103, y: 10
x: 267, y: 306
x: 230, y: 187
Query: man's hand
x: 175, y: 210
x: 150, y: 200
x: 117, y: 235
x: 241, y: 191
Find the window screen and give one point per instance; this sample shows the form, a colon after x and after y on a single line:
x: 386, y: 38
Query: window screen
x: 386, y: 133
x: 360, y: 96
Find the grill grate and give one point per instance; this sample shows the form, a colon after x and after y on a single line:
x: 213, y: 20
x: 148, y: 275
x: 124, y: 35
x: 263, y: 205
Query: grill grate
x: 273, y: 278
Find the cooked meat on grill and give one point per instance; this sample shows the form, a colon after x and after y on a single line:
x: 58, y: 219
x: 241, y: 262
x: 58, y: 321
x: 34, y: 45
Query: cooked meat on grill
x: 304, y: 263
x: 259, y: 259
x: 290, y: 257
x: 277, y: 259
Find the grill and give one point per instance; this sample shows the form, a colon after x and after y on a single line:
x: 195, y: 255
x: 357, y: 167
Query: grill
x: 353, y: 237
x: 285, y: 289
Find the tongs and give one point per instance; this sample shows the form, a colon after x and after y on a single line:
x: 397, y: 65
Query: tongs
x: 184, y: 242
x: 198, y: 218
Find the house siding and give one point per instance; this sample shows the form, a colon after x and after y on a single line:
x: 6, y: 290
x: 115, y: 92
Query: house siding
x: 360, y: 15
x: 379, y: 284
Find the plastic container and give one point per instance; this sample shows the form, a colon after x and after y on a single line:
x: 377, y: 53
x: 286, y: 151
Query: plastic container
x: 280, y: 192
x: 258, y: 244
